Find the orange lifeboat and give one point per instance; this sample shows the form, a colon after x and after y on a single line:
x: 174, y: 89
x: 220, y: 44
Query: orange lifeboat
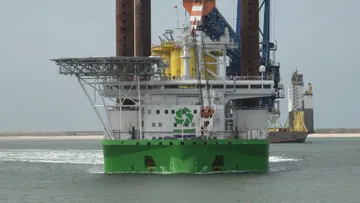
x: 207, y: 112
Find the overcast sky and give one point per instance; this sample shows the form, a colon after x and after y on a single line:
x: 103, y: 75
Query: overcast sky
x: 319, y: 37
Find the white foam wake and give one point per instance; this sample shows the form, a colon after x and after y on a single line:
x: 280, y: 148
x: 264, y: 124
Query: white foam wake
x: 94, y: 157
x: 52, y: 156
x: 277, y: 159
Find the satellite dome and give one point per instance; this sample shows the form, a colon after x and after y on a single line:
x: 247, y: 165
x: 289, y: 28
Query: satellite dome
x: 262, y: 69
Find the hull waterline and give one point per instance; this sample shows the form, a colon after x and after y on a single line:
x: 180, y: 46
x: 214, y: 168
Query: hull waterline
x: 287, y: 137
x: 185, y: 156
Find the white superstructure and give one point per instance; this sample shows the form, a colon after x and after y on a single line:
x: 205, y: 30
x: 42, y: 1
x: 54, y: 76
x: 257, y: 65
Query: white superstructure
x: 185, y: 106
x: 143, y: 101
x: 168, y: 110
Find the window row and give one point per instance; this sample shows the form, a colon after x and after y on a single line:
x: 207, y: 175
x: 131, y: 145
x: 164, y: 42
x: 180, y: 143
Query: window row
x: 167, y: 111
x: 175, y: 125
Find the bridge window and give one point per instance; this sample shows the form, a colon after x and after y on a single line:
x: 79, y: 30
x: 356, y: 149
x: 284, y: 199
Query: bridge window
x: 195, y: 111
x: 255, y: 86
x: 175, y: 125
x: 242, y: 86
x: 149, y: 111
x: 218, y: 86
x: 160, y: 124
x: 172, y: 111
x: 153, y: 125
x: 166, y: 111
x: 193, y: 124
x: 157, y: 111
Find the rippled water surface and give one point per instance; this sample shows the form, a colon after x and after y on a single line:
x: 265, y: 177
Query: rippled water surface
x: 321, y: 170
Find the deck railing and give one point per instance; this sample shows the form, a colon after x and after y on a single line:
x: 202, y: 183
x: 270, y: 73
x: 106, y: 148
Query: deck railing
x: 170, y: 135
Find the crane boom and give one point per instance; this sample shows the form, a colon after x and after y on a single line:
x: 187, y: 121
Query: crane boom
x: 205, y: 17
x: 197, y: 10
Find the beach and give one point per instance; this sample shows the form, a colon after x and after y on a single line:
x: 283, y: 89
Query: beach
x: 75, y: 135
x: 59, y: 137
x: 337, y: 135
x: 98, y: 136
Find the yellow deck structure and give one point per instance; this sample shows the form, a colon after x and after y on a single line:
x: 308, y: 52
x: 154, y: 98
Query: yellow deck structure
x: 171, y: 54
x: 298, y: 123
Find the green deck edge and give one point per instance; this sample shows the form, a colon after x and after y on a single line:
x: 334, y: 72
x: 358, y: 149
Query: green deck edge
x: 185, y: 156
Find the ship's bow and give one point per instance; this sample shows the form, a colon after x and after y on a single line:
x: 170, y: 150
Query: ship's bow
x: 185, y: 156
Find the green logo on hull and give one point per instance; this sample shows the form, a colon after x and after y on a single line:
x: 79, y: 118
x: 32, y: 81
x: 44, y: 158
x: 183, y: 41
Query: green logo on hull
x: 183, y: 116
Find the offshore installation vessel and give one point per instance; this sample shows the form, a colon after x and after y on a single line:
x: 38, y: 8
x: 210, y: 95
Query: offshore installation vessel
x: 300, y: 121
x: 197, y: 103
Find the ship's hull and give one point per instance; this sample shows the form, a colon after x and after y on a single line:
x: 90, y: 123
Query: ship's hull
x: 185, y: 156
x: 287, y: 137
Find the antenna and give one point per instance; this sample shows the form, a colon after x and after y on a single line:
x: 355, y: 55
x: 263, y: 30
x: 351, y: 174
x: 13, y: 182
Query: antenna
x: 186, y: 19
x: 176, y: 16
x: 135, y: 35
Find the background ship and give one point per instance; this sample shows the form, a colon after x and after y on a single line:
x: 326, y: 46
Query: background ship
x: 198, y: 103
x: 300, y: 121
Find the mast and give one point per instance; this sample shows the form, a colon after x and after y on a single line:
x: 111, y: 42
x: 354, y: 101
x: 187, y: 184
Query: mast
x: 198, y: 73
x: 138, y: 77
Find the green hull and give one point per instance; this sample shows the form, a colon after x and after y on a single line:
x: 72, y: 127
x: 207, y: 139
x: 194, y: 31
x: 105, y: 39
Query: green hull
x: 185, y: 156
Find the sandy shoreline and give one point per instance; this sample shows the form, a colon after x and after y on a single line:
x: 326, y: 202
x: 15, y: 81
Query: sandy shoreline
x: 57, y: 137
x: 100, y: 137
x: 339, y: 135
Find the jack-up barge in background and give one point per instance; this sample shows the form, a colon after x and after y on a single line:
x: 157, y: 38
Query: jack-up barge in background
x: 300, y: 121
